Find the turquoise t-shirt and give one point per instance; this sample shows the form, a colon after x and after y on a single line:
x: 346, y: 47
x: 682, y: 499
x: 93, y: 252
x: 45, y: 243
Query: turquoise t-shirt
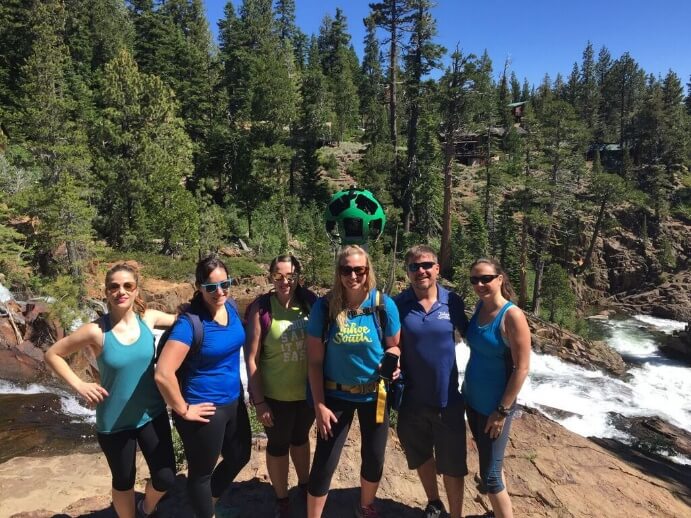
x: 490, y: 364
x: 354, y: 352
x: 127, y: 373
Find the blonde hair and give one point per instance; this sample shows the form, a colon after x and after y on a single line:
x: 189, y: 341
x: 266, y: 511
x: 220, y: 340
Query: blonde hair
x: 139, y: 304
x: 338, y: 309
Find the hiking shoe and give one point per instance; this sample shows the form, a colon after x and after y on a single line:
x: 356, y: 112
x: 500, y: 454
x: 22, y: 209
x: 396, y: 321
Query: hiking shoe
x: 435, y: 510
x: 282, y: 508
x: 140, y: 510
x: 366, y: 511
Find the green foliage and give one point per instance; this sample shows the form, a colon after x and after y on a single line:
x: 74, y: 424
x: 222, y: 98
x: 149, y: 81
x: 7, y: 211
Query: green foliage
x: 65, y: 292
x: 179, y: 450
x: 143, y: 156
x: 241, y: 267
x: 11, y: 244
x: 559, y: 299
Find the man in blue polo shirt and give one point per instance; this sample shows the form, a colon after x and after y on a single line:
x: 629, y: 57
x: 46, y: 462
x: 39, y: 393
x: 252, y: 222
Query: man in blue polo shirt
x: 431, y: 424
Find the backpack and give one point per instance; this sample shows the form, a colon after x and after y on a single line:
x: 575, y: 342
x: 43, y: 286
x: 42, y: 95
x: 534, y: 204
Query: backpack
x: 197, y: 335
x: 304, y: 297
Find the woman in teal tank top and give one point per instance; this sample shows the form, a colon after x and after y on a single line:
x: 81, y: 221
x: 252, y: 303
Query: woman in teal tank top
x: 129, y: 407
x: 277, y: 368
x: 499, y: 340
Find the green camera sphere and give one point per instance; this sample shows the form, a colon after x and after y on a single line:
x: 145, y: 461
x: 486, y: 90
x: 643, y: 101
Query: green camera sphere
x: 354, y: 217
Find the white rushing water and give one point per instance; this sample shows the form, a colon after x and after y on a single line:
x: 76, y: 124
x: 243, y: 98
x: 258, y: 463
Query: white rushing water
x: 5, y: 294
x: 657, y: 386
x: 578, y: 398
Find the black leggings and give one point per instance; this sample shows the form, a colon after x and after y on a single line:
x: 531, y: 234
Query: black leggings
x: 227, y: 433
x: 372, y: 450
x: 292, y: 423
x: 156, y: 444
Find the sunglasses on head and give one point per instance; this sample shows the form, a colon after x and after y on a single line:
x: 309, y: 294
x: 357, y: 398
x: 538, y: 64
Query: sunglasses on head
x: 289, y: 277
x: 211, y: 287
x: 114, y: 287
x: 484, y: 279
x: 425, y: 265
x: 347, y: 271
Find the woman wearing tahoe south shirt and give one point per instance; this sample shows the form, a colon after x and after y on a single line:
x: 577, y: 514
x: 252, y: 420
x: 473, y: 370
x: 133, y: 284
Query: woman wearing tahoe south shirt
x: 344, y: 376
x: 499, y: 340
x: 208, y: 403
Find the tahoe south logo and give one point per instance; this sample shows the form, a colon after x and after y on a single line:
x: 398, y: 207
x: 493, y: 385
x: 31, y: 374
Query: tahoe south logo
x: 443, y: 315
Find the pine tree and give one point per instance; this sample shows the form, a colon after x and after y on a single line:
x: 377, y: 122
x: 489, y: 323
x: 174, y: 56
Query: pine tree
x: 14, y: 20
x: 588, y: 95
x: 371, y: 87
x: 515, y: 88
x: 144, y: 156
x: 394, y: 17
x: 421, y: 57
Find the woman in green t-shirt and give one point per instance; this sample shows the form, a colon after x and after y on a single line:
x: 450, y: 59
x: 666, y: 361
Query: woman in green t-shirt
x: 277, y: 369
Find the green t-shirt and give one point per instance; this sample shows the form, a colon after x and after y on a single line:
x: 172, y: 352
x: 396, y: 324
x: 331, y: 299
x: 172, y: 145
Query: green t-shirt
x: 283, y: 361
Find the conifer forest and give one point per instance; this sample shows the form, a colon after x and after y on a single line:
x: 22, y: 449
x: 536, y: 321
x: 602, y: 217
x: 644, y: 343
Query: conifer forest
x: 128, y: 131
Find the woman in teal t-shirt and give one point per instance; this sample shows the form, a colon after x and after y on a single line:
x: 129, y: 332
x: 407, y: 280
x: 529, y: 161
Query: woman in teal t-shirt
x: 129, y: 407
x: 344, y: 375
x: 499, y: 340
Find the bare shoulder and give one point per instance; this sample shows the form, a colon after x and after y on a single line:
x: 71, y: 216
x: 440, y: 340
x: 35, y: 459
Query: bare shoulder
x: 155, y: 318
x: 515, y: 317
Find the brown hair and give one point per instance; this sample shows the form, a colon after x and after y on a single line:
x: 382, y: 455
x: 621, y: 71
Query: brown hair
x: 336, y: 297
x: 418, y: 250
x: 506, y: 289
x: 139, y: 304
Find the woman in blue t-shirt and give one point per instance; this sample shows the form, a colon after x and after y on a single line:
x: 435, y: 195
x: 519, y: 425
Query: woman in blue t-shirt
x: 129, y: 408
x: 207, y: 399
x: 499, y: 340
x: 344, y: 352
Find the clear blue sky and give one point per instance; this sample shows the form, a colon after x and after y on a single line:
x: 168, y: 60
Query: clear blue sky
x: 539, y: 36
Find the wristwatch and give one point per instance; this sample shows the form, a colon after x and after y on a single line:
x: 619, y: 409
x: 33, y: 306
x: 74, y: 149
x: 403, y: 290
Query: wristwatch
x: 502, y: 410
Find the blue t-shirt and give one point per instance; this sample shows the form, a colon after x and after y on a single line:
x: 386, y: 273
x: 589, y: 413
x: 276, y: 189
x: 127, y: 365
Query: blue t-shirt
x: 212, y: 374
x: 428, y: 347
x: 354, y: 352
x: 490, y: 363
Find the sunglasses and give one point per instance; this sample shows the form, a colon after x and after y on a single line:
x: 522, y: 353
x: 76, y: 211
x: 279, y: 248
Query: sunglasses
x: 425, y: 265
x: 211, y: 287
x: 347, y: 271
x: 129, y: 287
x: 279, y: 277
x: 484, y: 279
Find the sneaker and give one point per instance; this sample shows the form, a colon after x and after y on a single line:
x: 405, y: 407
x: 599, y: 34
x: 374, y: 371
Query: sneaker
x: 283, y: 508
x: 140, y: 510
x: 367, y: 511
x: 435, y: 510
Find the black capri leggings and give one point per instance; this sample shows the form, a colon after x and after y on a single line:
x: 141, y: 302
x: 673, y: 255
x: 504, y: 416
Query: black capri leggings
x: 227, y: 433
x: 156, y: 444
x: 292, y: 423
x: 372, y: 450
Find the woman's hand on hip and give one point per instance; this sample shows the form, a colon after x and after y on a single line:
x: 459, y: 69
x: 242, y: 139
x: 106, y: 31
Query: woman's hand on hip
x: 264, y: 414
x: 199, y: 412
x: 495, y: 425
x: 93, y: 393
x: 325, y: 418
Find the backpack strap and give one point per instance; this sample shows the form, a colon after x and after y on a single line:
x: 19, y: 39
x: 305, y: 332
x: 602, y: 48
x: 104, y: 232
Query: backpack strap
x: 457, y: 310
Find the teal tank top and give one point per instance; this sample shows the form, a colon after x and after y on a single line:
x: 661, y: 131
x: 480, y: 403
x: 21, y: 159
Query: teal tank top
x: 127, y: 373
x: 490, y: 364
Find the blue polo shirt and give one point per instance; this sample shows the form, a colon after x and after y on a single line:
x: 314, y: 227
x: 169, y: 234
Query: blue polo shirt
x: 212, y: 375
x: 428, y: 347
x: 353, y: 353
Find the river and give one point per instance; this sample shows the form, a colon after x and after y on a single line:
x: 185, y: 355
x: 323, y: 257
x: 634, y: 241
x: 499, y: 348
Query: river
x: 581, y: 400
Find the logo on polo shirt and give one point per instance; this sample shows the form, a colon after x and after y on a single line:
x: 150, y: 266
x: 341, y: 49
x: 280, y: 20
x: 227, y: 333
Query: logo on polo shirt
x: 443, y: 315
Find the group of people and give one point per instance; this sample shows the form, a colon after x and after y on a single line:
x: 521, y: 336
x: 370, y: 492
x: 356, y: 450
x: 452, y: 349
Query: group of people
x: 309, y: 359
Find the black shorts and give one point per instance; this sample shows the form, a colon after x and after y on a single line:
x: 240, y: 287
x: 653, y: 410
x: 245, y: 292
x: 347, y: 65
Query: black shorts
x: 426, y: 431
x: 292, y: 423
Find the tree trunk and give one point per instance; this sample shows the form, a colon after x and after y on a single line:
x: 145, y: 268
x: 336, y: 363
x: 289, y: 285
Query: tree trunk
x: 393, y: 77
x: 593, y: 239
x: 445, y: 250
